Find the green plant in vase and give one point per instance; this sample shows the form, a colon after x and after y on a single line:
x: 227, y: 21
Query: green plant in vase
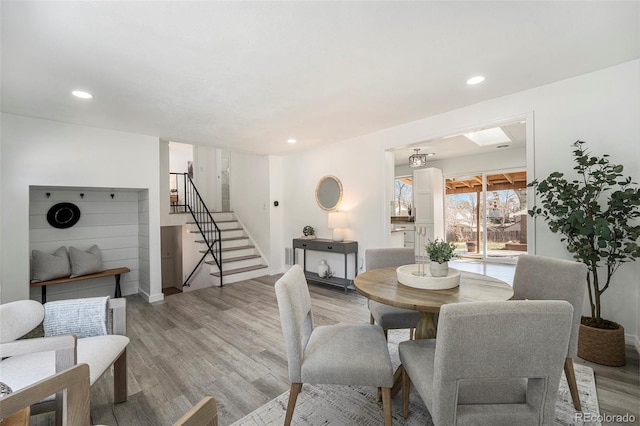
x: 439, y: 253
x: 309, y: 232
x: 597, y: 215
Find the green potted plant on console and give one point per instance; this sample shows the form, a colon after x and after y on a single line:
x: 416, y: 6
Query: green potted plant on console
x: 597, y: 215
x: 440, y: 252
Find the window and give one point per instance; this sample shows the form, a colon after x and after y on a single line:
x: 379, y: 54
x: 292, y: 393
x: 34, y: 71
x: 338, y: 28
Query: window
x: 486, y: 214
x: 403, y: 194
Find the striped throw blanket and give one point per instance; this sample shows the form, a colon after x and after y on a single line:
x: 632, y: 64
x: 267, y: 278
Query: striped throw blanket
x: 83, y: 317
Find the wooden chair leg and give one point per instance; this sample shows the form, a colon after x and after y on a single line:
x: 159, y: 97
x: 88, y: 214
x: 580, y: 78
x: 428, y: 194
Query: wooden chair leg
x: 371, y: 320
x: 293, y: 396
x: 386, y: 406
x: 571, y: 381
x: 120, y: 378
x: 406, y: 388
x: 59, y: 414
x: 412, y: 334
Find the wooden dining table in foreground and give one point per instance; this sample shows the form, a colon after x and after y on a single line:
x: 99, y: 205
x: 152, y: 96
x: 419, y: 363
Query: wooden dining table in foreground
x: 382, y: 286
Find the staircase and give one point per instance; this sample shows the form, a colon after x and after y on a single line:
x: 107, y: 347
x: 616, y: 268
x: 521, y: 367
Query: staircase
x: 241, y: 260
x: 225, y: 248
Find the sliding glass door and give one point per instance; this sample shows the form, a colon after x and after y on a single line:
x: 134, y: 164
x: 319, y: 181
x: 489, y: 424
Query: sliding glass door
x: 486, y: 214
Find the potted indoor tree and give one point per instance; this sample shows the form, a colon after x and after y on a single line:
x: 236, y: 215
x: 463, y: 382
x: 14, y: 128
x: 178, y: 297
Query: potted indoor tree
x: 597, y: 216
x: 440, y: 252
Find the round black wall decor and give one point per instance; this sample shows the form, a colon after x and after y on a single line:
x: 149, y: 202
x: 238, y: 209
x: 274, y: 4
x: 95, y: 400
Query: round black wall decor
x: 63, y: 215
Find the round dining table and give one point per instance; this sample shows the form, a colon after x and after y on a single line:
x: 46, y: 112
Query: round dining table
x: 382, y: 285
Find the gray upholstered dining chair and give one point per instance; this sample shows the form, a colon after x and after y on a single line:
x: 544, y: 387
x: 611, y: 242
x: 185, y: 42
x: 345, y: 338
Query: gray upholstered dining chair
x: 494, y: 363
x: 390, y: 317
x: 544, y: 278
x: 354, y: 355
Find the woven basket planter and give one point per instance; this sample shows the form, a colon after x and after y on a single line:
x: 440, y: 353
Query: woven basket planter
x: 602, y: 346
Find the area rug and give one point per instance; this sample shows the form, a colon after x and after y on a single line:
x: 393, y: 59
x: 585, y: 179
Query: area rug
x: 358, y: 406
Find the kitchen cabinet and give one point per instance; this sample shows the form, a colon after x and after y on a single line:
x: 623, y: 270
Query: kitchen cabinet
x: 428, y: 202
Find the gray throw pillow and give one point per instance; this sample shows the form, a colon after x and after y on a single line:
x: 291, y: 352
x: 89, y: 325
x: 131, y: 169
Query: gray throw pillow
x: 85, y: 262
x: 45, y: 266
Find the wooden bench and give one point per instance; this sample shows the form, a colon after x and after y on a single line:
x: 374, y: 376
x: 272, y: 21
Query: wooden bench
x: 105, y: 273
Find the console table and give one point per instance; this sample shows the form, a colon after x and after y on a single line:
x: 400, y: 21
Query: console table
x: 342, y: 247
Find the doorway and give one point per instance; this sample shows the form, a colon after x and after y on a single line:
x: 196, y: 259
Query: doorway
x: 485, y: 193
x: 171, y: 259
x: 486, y: 214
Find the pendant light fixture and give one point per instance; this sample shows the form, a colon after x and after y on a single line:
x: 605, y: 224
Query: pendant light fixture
x: 417, y: 159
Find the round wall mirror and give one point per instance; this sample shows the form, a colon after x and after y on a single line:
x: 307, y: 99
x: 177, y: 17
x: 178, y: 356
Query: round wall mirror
x: 329, y: 193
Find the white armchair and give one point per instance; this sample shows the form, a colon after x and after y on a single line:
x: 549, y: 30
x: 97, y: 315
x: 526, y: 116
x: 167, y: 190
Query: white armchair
x: 74, y: 382
x: 28, y: 361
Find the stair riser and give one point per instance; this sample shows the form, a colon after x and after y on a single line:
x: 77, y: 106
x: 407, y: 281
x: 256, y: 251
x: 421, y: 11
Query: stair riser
x: 221, y: 217
x: 193, y: 228
x: 235, y: 243
x: 238, y: 253
x: 230, y: 260
x: 228, y: 279
x: 227, y: 244
x: 228, y: 225
x: 232, y: 234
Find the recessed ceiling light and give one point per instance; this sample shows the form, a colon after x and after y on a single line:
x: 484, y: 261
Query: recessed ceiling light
x: 506, y: 145
x: 475, y: 80
x: 292, y: 141
x: 81, y: 94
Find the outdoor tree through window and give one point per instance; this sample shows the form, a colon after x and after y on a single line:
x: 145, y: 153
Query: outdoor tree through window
x: 403, y: 196
x: 503, y: 221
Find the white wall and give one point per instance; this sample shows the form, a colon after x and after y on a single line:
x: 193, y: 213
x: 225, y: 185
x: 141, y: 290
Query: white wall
x: 276, y: 226
x: 601, y: 107
x: 249, y: 192
x: 179, y: 156
x: 205, y: 174
x: 46, y: 153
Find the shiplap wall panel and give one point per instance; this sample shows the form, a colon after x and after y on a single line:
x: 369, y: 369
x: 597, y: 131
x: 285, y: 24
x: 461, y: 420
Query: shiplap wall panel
x: 110, y: 223
x: 94, y: 219
x: 116, y: 243
x: 80, y: 233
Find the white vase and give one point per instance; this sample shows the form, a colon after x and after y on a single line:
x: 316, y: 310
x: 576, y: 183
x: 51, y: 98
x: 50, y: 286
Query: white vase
x: 323, y: 269
x: 439, y: 269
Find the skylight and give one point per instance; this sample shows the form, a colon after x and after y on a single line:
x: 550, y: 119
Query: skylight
x: 488, y: 137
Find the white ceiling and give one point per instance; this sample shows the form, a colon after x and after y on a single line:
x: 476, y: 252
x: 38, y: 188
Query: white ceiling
x: 250, y: 75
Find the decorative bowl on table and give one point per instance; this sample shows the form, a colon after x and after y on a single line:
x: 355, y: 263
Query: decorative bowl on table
x: 412, y: 276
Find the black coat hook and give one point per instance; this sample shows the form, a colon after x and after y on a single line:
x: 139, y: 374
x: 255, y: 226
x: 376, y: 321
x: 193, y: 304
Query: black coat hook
x: 48, y: 194
x: 113, y: 195
x: 81, y: 195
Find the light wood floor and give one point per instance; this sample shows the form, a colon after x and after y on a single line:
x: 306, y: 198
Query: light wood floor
x: 227, y: 343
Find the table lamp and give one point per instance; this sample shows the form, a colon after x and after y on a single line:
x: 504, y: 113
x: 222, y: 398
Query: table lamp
x: 337, y: 222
